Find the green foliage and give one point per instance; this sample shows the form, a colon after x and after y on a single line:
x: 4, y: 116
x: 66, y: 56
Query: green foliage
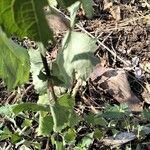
x: 36, y: 69
x: 96, y: 120
x: 116, y: 112
x: 52, y: 3
x: 38, y: 73
x: 14, y: 62
x: 25, y: 18
x: 45, y: 124
x: 76, y: 57
x: 70, y: 135
x: 64, y: 112
x: 87, y: 6
x: 85, y: 142
x: 4, y: 134
x: 66, y: 3
x: 17, y: 108
x: 73, y: 11
x: 146, y: 114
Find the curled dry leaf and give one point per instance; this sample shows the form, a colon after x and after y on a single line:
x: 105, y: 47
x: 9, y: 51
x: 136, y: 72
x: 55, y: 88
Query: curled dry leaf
x: 114, y: 9
x: 56, y: 21
x: 115, y: 83
x: 119, y: 139
x: 145, y: 66
x: 146, y: 93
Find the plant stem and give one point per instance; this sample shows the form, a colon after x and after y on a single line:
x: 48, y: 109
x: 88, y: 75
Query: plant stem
x: 49, y: 82
x: 50, y: 91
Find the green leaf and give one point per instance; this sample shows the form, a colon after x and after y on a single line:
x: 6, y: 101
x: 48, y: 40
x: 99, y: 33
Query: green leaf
x: 14, y: 62
x: 76, y: 57
x: 98, y: 134
x: 146, y: 114
x: 36, y: 69
x: 87, y: 6
x: 5, y: 134
x: 6, y: 110
x: 56, y: 75
x: 66, y: 101
x: 87, y: 140
x: 62, y: 115
x: 116, y: 112
x: 26, y: 123
x: 70, y: 135
x: 16, y: 109
x: 38, y: 73
x: 45, y: 124
x: 15, y: 138
x: 64, y: 112
x: 25, y: 18
x: 96, y: 120
x: 73, y: 12
x: 52, y: 3
x: 73, y: 119
x: 66, y: 3
x: 43, y: 99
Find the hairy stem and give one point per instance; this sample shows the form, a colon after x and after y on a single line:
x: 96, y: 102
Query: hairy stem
x: 50, y: 91
x: 50, y: 82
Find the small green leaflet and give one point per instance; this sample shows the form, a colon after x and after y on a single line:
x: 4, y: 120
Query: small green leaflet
x: 14, y: 62
x: 17, y: 108
x: 25, y: 18
x: 76, y: 56
x: 65, y: 114
x: 70, y: 135
x: 45, y: 124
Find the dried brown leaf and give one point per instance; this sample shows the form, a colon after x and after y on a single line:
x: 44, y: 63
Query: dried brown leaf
x: 56, y: 21
x: 119, y: 139
x: 115, y: 82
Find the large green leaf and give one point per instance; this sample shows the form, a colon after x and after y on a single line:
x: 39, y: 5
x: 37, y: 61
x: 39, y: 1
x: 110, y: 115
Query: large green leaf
x: 14, y: 62
x: 25, y: 18
x: 76, y: 56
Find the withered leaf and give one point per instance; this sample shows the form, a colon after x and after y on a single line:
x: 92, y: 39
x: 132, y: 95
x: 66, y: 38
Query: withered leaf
x: 116, y: 83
